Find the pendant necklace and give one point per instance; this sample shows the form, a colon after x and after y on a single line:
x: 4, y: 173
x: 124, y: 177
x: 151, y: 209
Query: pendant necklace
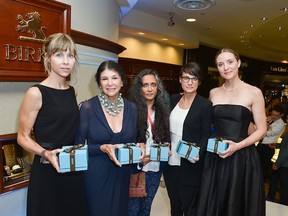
x: 112, y: 108
x: 230, y: 90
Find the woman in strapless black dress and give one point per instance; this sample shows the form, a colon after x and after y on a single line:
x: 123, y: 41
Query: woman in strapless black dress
x: 232, y: 183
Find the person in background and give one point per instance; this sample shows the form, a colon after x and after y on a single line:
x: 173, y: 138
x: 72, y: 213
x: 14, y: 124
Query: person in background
x: 50, y: 110
x: 284, y: 105
x: 266, y: 147
x: 275, y: 100
x: 148, y: 93
x: 281, y: 165
x: 105, y: 121
x: 232, y: 183
x: 190, y: 121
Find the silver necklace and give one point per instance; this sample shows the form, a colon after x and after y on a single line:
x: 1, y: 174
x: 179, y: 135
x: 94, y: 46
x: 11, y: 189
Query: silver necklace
x: 230, y: 90
x: 112, y: 108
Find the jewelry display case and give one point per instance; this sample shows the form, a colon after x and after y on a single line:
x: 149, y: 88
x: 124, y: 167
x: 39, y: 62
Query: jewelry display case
x: 15, y: 164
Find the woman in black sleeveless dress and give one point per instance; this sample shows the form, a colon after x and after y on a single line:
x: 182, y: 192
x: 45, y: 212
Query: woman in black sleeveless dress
x: 50, y: 110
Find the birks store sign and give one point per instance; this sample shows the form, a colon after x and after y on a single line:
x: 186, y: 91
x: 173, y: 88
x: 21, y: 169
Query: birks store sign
x: 25, y: 24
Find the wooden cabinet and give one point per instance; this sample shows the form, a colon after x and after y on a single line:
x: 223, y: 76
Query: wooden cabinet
x: 15, y: 164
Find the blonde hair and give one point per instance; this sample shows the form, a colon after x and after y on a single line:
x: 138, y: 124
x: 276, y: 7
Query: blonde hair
x: 54, y: 43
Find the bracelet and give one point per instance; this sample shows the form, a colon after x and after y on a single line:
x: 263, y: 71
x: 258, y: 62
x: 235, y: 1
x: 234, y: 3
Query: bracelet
x: 43, y: 154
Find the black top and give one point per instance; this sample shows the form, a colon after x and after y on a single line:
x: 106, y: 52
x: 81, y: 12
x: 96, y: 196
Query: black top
x: 233, y: 123
x: 196, y: 129
x: 57, y: 119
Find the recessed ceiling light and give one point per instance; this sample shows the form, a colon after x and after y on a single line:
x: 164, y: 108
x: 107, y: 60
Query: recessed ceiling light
x: 285, y: 9
x: 279, y: 28
x: 141, y: 33
x: 181, y: 44
x: 251, y: 26
x: 190, y: 20
x: 164, y: 39
x: 263, y: 18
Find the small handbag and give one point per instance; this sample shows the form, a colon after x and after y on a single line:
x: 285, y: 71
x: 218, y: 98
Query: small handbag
x: 137, y: 185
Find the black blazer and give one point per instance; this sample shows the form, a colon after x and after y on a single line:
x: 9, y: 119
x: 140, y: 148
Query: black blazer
x: 196, y: 128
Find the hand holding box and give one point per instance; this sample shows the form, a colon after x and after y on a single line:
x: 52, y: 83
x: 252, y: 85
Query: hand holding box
x: 73, y: 158
x: 159, y: 152
x: 215, y: 145
x: 128, y: 153
x: 187, y: 150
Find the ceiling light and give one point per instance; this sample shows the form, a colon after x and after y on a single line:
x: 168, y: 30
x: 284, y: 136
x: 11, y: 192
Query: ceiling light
x: 141, y: 33
x: 263, y: 18
x: 190, y: 20
x: 194, y: 4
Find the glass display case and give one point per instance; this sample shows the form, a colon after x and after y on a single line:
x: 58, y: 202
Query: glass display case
x: 15, y: 163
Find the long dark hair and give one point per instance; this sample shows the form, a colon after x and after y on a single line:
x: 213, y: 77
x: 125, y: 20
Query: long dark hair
x: 161, y: 107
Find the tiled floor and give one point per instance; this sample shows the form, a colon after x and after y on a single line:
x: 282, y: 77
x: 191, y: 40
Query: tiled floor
x: 161, y: 207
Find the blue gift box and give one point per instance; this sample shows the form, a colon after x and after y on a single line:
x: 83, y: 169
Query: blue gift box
x: 216, y: 145
x: 128, y: 153
x: 187, y: 150
x: 159, y: 152
x: 73, y: 158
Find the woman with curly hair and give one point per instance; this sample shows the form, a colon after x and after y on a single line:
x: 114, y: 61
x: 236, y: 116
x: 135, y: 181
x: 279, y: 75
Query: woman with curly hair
x: 151, y: 100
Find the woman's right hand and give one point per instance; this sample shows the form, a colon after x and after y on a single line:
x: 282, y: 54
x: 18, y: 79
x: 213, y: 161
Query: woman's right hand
x: 51, y: 156
x: 110, y: 150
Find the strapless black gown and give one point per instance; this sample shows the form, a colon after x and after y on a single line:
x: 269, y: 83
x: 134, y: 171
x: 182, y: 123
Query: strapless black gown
x: 232, y: 186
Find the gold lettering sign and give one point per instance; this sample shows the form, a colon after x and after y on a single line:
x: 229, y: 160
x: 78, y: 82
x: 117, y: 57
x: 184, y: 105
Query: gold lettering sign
x: 33, y: 26
x: 25, y: 24
x: 22, y: 53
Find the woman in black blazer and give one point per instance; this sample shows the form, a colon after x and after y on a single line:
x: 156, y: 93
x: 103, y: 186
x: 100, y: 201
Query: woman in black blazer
x: 190, y: 121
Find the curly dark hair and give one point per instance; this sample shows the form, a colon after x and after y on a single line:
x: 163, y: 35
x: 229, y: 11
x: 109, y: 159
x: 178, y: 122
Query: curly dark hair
x: 161, y: 107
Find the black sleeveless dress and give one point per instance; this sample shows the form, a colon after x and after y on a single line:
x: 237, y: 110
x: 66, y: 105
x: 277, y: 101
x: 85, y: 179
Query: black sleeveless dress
x: 51, y: 193
x: 232, y: 186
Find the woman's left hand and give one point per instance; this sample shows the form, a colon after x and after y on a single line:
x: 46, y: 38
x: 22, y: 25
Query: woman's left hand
x: 143, y: 158
x: 195, y: 159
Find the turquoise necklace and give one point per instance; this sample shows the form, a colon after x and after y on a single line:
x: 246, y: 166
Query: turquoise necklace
x: 112, y: 108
